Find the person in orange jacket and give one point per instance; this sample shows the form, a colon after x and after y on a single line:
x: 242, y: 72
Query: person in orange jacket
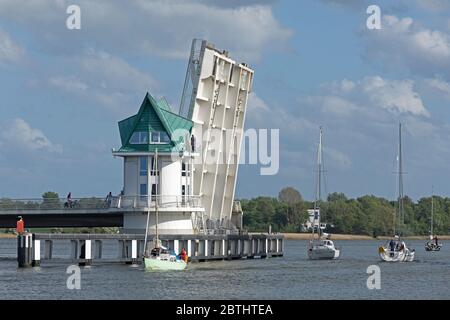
x: 184, y: 256
x: 20, y: 226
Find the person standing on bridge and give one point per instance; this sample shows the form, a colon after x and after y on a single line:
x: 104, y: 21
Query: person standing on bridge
x: 20, y: 226
x: 69, y: 200
x: 109, y: 199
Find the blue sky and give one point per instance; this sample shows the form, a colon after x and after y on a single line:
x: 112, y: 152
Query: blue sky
x: 63, y: 91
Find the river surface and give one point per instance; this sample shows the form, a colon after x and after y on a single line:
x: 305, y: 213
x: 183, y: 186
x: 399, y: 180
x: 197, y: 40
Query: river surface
x: 290, y: 277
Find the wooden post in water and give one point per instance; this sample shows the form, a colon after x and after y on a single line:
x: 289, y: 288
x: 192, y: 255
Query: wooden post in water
x: 36, y: 262
x: 24, y: 250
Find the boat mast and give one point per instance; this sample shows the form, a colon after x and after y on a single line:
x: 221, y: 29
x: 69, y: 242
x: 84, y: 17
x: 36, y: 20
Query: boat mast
x: 148, y: 202
x: 318, y: 183
x: 432, y: 209
x: 400, y: 178
x: 156, y: 202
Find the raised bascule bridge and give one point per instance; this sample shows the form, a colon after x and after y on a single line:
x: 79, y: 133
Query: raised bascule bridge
x: 183, y: 164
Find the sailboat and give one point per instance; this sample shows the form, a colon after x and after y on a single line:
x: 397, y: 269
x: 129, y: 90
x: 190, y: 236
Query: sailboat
x: 320, y: 249
x: 160, y: 258
x: 432, y: 244
x: 395, y: 250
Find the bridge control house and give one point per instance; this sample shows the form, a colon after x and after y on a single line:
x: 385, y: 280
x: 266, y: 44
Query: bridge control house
x: 157, y: 170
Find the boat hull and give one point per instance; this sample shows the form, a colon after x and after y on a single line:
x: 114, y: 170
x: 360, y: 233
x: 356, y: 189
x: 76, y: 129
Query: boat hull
x: 433, y: 246
x: 158, y: 264
x: 323, y: 253
x: 396, y: 256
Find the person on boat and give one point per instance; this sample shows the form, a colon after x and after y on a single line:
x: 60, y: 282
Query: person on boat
x: 392, y: 245
x: 183, y: 255
x: 402, y: 246
x: 436, y: 240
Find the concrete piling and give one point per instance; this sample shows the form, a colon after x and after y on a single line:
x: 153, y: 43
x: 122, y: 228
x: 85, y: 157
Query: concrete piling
x: 86, y: 248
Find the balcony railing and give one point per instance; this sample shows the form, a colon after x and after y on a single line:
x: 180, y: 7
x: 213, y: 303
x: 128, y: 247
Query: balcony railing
x: 115, y: 202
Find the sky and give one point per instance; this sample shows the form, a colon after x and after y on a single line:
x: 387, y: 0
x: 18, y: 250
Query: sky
x: 316, y: 64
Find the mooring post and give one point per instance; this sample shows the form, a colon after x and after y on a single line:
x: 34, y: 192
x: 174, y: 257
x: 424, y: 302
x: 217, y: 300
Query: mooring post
x: 189, y: 248
x: 176, y: 246
x: 85, y: 258
x: 48, y: 249
x: 74, y: 249
x: 24, y: 250
x: 134, y: 252
x: 98, y: 249
x: 37, y: 253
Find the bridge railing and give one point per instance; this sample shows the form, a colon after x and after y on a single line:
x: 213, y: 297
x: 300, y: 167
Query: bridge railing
x: 115, y: 202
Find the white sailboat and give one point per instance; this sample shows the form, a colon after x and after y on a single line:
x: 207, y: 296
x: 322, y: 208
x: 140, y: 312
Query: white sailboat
x: 160, y: 258
x: 320, y: 249
x: 395, y: 250
x: 433, y: 244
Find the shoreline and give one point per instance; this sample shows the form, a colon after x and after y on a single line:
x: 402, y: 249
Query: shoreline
x: 7, y: 236
x: 306, y: 236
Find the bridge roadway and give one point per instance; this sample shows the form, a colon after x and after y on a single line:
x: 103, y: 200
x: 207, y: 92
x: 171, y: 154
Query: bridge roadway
x: 87, y: 212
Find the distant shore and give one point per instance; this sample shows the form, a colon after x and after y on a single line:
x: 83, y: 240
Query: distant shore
x: 306, y: 236
x: 7, y: 235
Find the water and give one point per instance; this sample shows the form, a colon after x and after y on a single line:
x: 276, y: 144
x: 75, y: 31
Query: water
x: 290, y: 277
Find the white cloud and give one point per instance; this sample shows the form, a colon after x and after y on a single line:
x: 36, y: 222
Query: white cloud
x: 433, y: 5
x: 334, y: 105
x: 70, y: 84
x: 9, y: 50
x: 345, y: 98
x: 256, y: 104
x: 20, y: 134
x: 439, y: 85
x: 163, y: 28
x: 337, y: 157
x: 404, y: 43
x: 105, y: 79
x: 397, y: 96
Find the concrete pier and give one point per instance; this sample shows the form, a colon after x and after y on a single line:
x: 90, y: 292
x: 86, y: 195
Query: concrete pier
x: 87, y: 249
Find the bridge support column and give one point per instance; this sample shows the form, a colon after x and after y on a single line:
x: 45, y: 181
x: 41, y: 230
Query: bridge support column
x: 37, y: 253
x: 189, y: 248
x: 176, y: 246
x: 134, y: 252
x: 48, y: 249
x: 98, y: 249
x: 24, y: 250
x: 85, y: 258
x: 74, y: 249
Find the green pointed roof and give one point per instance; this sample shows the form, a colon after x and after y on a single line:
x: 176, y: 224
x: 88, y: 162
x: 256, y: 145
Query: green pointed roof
x: 153, y: 116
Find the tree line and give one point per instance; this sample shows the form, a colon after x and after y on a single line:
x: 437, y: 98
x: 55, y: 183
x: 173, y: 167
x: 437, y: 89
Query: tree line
x: 366, y: 215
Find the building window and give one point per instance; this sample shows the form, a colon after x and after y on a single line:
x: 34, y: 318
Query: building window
x: 183, y: 190
x: 143, y: 189
x: 155, y: 137
x: 164, y: 137
x: 139, y: 137
x: 184, y: 169
x: 159, y: 137
x: 152, y: 165
x: 143, y: 166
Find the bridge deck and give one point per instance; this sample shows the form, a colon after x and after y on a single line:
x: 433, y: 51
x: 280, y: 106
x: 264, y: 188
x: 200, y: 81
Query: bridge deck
x: 88, y: 212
